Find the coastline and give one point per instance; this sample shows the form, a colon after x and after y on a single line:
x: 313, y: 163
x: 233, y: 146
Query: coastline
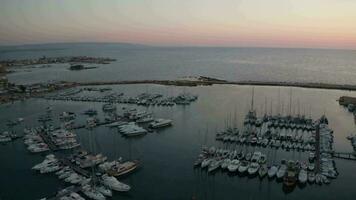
x: 199, y: 81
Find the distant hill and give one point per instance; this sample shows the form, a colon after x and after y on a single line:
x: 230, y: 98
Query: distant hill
x: 58, y: 46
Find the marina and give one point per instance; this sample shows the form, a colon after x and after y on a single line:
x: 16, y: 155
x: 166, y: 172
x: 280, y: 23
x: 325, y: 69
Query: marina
x: 273, y: 156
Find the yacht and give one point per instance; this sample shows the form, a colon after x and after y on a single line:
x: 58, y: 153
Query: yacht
x: 215, y: 164
x: 206, y: 162
x: 112, y: 183
x: 311, y: 177
x: 233, y: 166
x: 123, y: 168
x: 253, y: 168
x: 302, y: 176
x: 105, y: 191
x: 225, y: 163
x: 262, y: 172
x: 159, y: 123
x: 243, y: 166
x: 281, y: 171
x: 272, y: 171
x: 92, y: 193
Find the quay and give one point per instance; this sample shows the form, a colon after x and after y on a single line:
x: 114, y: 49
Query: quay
x: 344, y: 155
x: 76, y: 168
x: 207, y: 82
x: 48, y: 141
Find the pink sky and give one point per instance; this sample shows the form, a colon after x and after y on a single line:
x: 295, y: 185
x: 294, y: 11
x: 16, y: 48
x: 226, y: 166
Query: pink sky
x: 272, y: 23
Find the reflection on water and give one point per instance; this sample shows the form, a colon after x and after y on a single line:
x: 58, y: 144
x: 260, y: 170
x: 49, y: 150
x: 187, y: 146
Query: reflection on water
x: 168, y: 155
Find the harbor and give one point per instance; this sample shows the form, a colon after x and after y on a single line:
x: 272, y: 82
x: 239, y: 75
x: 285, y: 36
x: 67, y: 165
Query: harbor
x: 108, y: 139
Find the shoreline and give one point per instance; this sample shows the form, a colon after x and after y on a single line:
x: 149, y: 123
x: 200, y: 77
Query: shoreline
x: 200, y: 81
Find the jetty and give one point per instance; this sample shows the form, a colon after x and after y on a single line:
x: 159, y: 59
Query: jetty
x: 207, y: 82
x: 344, y: 155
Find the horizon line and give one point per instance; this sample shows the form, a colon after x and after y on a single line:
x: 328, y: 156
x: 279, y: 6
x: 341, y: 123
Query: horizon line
x: 175, y: 45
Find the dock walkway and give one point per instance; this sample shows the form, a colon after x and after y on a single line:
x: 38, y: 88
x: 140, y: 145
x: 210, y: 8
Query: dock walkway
x: 344, y: 155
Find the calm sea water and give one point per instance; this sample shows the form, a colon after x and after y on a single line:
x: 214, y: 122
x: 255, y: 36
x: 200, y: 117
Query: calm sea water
x: 168, y: 155
x: 141, y: 62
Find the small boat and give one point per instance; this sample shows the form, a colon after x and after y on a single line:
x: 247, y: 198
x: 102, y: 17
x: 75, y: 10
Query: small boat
x: 302, y: 176
x: 124, y: 168
x: 243, y: 166
x: 248, y: 156
x: 272, y: 171
x: 281, y: 171
x: 206, y: 162
x: 214, y: 165
x: 262, y: 172
x: 290, y: 179
x: 225, y: 163
x: 311, y: 177
x: 253, y: 168
x: 112, y: 183
x: 234, y: 165
x: 159, y: 123
x: 104, y: 190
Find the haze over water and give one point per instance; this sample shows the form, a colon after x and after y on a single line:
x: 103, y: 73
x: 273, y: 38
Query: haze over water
x: 135, y: 62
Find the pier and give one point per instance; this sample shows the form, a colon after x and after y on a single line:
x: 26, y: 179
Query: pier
x: 207, y: 81
x: 48, y: 141
x: 344, y: 155
x: 76, y: 168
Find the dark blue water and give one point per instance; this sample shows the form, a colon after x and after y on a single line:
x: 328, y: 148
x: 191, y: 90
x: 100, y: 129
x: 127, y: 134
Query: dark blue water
x: 143, y: 62
x: 168, y: 155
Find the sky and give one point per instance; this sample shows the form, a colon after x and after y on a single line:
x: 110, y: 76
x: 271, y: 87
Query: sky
x: 251, y: 23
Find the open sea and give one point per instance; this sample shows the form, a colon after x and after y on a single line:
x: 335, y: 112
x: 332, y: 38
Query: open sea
x: 168, y: 155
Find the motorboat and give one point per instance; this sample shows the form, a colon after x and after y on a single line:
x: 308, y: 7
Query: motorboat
x: 206, y: 162
x: 244, y: 166
x: 104, y: 190
x: 112, y: 183
x: 159, y: 123
x: 272, y: 171
x: 253, y: 168
x: 262, y: 172
x: 92, y: 193
x: 281, y: 171
x: 311, y: 177
x: 234, y: 165
x: 302, y: 176
x: 215, y: 164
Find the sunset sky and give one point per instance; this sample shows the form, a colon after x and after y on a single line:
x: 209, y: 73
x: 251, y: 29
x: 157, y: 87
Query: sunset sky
x: 267, y: 23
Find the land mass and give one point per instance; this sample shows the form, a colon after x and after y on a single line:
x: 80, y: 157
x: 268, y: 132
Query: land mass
x: 15, y: 92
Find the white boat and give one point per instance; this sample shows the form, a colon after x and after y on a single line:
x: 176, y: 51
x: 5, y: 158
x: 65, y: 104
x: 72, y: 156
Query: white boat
x: 234, y: 165
x: 319, y: 179
x: 272, y: 171
x: 253, y: 168
x: 244, y: 165
x: 112, y: 183
x: 92, y: 193
x: 214, y: 165
x: 281, y: 171
x: 262, y: 172
x: 105, y: 191
x: 225, y: 163
x: 145, y: 119
x: 159, y: 123
x: 311, y: 177
x: 302, y: 176
x: 206, y: 162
